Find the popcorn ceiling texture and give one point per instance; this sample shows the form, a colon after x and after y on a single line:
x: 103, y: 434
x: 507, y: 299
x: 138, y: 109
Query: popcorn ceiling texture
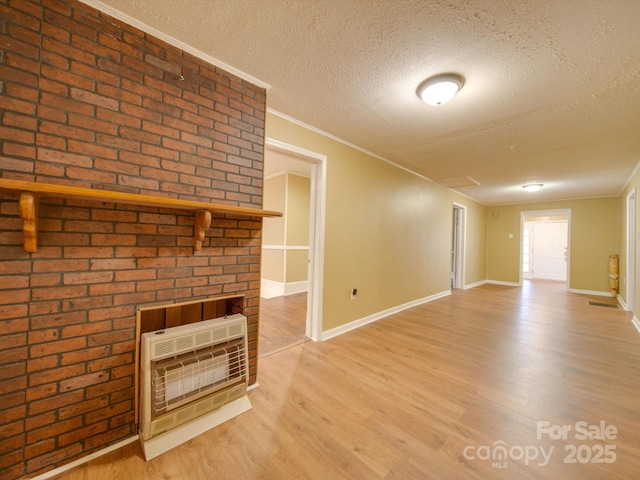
x: 87, y: 100
x: 551, y: 89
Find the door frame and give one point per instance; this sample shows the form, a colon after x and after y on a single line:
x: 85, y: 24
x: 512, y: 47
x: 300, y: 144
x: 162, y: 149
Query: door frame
x: 525, y: 217
x: 316, y: 231
x: 630, y: 277
x: 458, y: 244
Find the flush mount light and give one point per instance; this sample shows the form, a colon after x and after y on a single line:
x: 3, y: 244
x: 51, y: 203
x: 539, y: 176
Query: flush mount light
x: 533, y: 187
x: 440, y: 89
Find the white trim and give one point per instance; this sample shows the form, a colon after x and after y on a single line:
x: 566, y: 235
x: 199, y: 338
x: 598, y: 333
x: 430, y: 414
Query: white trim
x: 115, y: 13
x: 590, y: 292
x: 286, y: 172
x: 177, y: 436
x: 474, y: 285
x: 291, y: 288
x: 506, y: 284
x: 271, y: 288
x: 86, y: 458
x: 636, y: 323
x: 633, y: 174
x: 274, y: 175
x: 316, y: 231
x: 461, y: 245
x: 631, y: 249
x: 285, y: 247
x: 360, y: 149
x: 334, y: 332
x: 536, y: 213
x: 622, y: 303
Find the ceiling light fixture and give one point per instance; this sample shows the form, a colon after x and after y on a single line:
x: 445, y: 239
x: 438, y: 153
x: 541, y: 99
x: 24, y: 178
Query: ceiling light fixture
x: 440, y: 89
x: 533, y: 187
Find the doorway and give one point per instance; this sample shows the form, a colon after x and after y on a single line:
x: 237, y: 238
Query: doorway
x: 458, y: 245
x: 293, y: 314
x: 545, y: 245
x: 631, y: 250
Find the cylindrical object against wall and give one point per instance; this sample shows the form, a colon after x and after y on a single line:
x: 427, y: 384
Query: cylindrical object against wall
x: 613, y: 274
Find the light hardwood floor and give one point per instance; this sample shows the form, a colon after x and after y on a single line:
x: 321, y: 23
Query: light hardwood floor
x: 282, y: 323
x: 422, y: 394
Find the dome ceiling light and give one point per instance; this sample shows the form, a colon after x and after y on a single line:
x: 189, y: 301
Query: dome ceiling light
x: 439, y: 89
x: 533, y: 187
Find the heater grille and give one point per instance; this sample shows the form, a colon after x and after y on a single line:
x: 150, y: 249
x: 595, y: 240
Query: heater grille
x: 190, y: 370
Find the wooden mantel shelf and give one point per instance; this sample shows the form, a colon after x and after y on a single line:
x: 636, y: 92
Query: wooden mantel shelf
x: 30, y: 192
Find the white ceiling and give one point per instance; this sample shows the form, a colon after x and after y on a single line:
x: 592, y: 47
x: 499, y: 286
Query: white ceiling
x: 551, y: 94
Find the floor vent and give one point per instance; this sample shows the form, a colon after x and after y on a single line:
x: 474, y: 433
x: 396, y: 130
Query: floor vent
x: 602, y: 304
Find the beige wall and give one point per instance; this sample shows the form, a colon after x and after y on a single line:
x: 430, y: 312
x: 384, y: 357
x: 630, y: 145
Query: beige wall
x: 298, y: 198
x: 594, y: 236
x: 634, y: 183
x: 387, y: 231
x: 288, y: 193
x: 274, y: 198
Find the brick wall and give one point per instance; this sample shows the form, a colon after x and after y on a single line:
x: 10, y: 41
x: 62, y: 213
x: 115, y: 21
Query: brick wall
x: 86, y: 100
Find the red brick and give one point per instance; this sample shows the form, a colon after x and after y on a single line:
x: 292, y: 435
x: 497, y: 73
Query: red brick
x: 11, y: 459
x: 111, y: 313
x: 39, y: 448
x: 16, y: 325
x: 64, y: 157
x: 117, y: 118
x: 66, y: 131
x: 109, y: 387
x: 13, y: 385
x: 84, y: 407
x: 14, y: 444
x: 13, y: 413
x: 94, y: 99
x: 44, y: 363
x: 17, y: 135
x: 52, y: 458
x: 54, y: 402
x: 111, y: 337
x: 41, y: 336
x: 60, y: 373
x: 87, y: 302
x: 109, y: 437
x: 85, y: 355
x: 84, y: 278
x: 19, y: 151
x: 53, y: 430
x: 57, y: 347
x: 38, y: 294
x: 37, y: 421
x: 83, y: 381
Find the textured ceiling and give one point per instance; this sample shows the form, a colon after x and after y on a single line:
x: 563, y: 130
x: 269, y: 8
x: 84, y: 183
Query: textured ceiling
x: 551, y: 94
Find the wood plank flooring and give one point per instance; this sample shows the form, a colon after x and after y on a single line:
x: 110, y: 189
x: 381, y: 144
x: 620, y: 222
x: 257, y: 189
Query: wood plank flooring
x: 282, y: 323
x: 430, y: 393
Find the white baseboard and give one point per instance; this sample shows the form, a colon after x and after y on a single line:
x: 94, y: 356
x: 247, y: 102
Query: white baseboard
x: 506, y: 284
x: 271, y: 288
x: 590, y: 292
x: 292, y: 288
x: 85, y: 459
x: 177, y: 436
x: 334, y: 332
x: 636, y: 323
x: 474, y: 285
x: 622, y: 303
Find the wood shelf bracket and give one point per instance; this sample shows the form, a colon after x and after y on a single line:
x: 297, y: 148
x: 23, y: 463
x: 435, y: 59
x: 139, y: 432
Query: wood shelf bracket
x: 201, y: 225
x: 30, y: 193
x: 29, y: 215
